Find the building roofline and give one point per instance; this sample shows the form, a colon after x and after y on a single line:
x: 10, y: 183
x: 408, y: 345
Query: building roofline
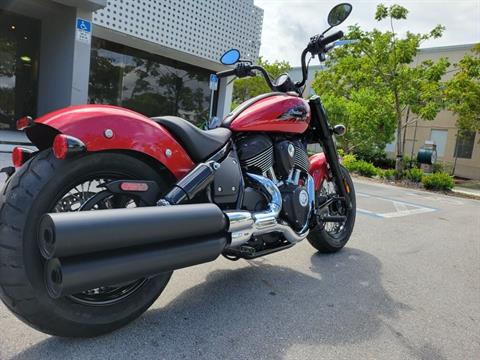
x: 447, y: 48
x: 320, y: 66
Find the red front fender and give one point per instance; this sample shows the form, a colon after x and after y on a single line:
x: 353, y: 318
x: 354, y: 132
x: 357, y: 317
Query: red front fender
x: 131, y: 131
x: 318, y: 169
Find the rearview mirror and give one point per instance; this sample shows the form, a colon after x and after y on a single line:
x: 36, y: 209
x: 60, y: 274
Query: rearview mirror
x: 339, y: 14
x: 230, y: 57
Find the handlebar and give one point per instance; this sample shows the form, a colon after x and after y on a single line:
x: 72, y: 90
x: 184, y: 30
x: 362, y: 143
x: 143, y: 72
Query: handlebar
x: 330, y: 38
x: 226, y: 73
x: 244, y: 70
x: 317, y: 46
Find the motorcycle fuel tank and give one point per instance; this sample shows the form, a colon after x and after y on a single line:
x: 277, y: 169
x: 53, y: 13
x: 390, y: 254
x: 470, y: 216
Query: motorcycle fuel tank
x: 274, y: 112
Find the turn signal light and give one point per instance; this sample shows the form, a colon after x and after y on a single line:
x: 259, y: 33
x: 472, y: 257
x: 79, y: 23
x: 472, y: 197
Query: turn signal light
x: 24, y: 123
x: 20, y: 156
x: 64, y: 146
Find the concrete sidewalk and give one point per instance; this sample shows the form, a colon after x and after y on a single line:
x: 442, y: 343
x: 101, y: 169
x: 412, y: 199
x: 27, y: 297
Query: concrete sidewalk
x: 467, y: 191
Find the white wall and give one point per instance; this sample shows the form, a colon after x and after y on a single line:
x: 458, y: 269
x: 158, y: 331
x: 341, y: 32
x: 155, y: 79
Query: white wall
x: 204, y: 28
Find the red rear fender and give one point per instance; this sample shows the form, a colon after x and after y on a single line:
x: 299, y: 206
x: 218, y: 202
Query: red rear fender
x: 93, y: 125
x: 318, y: 169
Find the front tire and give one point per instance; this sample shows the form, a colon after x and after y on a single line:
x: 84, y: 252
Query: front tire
x: 34, y: 190
x: 330, y: 238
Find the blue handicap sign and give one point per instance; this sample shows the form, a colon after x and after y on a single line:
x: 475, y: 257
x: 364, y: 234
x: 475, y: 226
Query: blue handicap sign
x: 84, y: 25
x: 213, y: 82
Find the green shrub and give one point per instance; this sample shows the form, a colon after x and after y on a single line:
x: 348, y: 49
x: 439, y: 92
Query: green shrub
x: 373, y: 156
x: 409, y: 162
x: 350, y: 162
x: 438, y: 181
x: 414, y: 174
x: 385, y: 163
x: 438, y: 167
x: 441, y: 167
x: 388, y: 174
x: 365, y: 168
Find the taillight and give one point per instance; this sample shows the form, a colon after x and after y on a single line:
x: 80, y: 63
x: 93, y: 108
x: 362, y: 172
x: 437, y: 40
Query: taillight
x: 64, y: 146
x: 24, y: 123
x: 20, y: 156
x: 134, y: 186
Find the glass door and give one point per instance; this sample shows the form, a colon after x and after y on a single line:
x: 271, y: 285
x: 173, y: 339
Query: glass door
x: 19, y: 52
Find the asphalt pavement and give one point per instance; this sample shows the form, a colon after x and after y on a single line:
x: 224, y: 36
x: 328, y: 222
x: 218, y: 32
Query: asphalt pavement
x: 407, y: 286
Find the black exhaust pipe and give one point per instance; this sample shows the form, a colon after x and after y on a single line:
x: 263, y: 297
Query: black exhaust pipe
x: 80, y: 273
x: 76, y: 233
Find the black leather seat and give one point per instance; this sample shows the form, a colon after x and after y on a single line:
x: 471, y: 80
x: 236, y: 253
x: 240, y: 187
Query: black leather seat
x: 200, y: 144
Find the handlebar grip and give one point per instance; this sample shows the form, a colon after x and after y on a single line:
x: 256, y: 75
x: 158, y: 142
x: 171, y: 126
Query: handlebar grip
x: 331, y: 38
x: 226, y: 73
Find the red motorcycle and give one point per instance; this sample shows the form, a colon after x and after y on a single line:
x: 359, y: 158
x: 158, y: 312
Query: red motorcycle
x: 94, y: 222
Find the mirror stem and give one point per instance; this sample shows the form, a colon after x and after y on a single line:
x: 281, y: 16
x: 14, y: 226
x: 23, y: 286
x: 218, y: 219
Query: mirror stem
x: 331, y: 27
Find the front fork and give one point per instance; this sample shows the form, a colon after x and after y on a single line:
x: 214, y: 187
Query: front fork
x: 324, y: 133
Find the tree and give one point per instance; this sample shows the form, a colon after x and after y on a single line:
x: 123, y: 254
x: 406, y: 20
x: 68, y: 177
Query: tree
x: 105, y: 80
x: 380, y: 87
x: 462, y: 91
x: 246, y: 88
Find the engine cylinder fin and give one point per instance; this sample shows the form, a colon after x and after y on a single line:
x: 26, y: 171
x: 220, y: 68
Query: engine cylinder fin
x: 262, y: 162
x: 301, y: 158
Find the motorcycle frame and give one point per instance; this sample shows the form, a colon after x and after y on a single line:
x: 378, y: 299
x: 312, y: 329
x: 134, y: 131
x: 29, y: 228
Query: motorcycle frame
x: 324, y: 133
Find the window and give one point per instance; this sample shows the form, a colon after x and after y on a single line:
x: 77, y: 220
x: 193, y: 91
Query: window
x: 439, y: 137
x: 19, y: 49
x: 147, y: 83
x: 464, y: 144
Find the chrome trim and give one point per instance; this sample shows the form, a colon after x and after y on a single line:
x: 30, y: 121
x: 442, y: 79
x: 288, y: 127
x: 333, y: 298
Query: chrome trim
x: 296, y: 177
x: 272, y: 175
x: 244, y: 224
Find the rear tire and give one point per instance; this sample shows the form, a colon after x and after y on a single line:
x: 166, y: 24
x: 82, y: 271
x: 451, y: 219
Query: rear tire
x: 33, y: 191
x: 327, y: 242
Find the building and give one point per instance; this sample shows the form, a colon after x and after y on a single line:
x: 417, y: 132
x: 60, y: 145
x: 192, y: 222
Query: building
x: 443, y: 131
x: 152, y: 56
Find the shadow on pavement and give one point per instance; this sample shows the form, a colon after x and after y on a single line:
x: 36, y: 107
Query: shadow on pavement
x: 259, y: 311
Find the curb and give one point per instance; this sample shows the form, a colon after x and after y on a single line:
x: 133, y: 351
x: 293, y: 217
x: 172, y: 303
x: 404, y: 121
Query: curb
x: 453, y: 192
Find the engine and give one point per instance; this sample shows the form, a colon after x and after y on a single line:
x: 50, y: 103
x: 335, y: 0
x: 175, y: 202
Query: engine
x: 285, y: 161
x: 259, y: 154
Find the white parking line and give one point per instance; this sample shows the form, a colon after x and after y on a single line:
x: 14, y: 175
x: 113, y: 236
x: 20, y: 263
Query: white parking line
x: 402, y: 208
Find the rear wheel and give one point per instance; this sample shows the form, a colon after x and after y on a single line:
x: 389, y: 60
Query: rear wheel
x: 46, y: 184
x: 331, y: 237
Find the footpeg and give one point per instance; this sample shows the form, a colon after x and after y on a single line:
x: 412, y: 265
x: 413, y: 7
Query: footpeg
x: 247, y: 251
x: 337, y: 218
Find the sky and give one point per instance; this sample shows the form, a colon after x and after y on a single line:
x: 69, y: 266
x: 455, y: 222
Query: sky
x: 288, y: 24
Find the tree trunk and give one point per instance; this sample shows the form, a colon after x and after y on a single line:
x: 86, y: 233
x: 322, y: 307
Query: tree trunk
x: 398, y: 160
x: 405, y: 130
x: 414, y: 142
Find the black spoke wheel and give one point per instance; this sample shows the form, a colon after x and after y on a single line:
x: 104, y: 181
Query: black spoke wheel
x: 328, y: 237
x: 45, y: 184
x: 90, y: 195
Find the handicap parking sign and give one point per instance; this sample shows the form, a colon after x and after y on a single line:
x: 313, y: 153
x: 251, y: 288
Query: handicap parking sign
x: 84, y: 30
x: 213, y: 82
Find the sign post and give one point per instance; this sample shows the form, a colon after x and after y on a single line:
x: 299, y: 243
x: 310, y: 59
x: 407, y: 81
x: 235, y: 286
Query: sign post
x: 213, y: 87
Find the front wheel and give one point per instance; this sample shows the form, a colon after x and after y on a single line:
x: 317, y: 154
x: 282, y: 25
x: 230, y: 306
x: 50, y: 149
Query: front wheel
x: 43, y: 185
x: 329, y: 237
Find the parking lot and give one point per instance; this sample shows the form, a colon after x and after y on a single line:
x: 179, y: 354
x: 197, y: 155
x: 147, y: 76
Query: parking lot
x: 407, y: 286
